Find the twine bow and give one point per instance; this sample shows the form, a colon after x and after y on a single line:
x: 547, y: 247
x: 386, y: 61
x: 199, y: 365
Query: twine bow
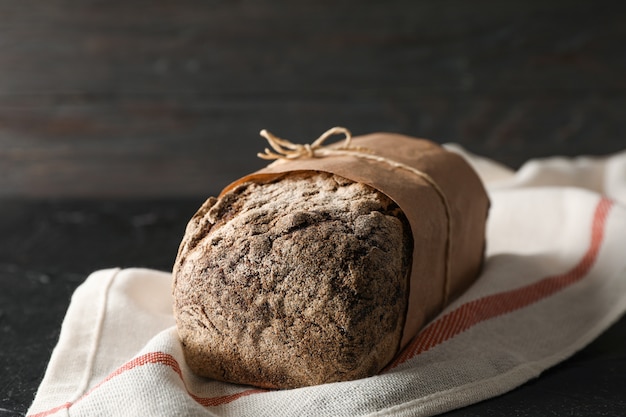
x: 285, y: 149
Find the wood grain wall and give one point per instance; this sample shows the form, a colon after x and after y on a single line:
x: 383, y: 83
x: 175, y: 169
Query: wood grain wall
x: 118, y: 98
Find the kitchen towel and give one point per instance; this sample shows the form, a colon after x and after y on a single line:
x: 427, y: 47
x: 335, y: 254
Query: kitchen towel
x: 554, y: 279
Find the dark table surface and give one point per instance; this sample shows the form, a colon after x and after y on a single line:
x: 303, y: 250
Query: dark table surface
x: 118, y: 118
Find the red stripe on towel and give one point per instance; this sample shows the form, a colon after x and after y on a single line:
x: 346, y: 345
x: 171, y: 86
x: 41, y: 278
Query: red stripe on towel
x: 154, y: 358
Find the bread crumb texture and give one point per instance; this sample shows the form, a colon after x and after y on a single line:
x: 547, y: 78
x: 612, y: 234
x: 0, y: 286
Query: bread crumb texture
x: 298, y: 281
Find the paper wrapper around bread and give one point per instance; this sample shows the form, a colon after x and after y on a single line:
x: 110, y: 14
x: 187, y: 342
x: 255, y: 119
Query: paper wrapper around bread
x: 431, y: 287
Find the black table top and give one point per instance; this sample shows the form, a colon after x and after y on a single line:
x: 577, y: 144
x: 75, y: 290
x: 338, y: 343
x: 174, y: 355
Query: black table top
x: 48, y: 248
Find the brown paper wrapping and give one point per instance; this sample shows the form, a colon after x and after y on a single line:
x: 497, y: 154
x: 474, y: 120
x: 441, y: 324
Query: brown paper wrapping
x: 424, y: 209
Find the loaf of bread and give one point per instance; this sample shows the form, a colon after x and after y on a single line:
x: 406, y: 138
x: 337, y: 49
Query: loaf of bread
x: 323, y: 269
x: 299, y: 281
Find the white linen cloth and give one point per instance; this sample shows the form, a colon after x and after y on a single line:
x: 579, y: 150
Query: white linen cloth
x: 554, y: 279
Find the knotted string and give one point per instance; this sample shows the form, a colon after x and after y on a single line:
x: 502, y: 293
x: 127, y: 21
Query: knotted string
x: 286, y: 150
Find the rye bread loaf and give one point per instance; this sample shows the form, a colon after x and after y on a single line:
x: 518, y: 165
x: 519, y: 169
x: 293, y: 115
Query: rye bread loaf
x: 298, y: 281
x: 324, y: 308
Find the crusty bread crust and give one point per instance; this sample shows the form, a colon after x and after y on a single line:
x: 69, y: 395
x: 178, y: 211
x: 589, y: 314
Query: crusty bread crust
x: 295, y: 282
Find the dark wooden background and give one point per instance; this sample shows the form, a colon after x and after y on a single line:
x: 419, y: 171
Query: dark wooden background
x: 119, y: 117
x: 166, y: 98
